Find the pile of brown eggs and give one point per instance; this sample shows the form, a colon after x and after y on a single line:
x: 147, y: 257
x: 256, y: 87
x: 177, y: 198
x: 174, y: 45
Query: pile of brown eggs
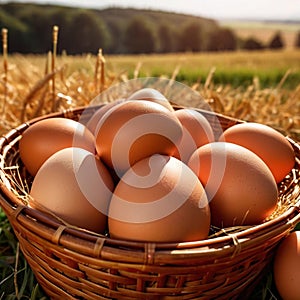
x: 140, y: 170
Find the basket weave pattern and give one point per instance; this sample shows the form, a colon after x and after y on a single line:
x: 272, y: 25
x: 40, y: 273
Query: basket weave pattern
x: 71, y: 263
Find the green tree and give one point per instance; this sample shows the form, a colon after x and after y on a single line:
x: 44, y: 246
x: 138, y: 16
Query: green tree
x: 165, y: 39
x: 116, y: 37
x: 190, y: 39
x: 297, y: 41
x: 252, y: 44
x: 63, y: 20
x: 222, y: 40
x: 277, y: 41
x: 138, y: 37
x: 39, y: 31
x: 86, y: 33
x: 17, y: 31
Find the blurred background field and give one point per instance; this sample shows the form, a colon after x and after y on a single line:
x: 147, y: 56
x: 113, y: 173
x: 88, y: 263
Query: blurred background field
x: 260, y: 84
x: 237, y: 69
x: 264, y: 31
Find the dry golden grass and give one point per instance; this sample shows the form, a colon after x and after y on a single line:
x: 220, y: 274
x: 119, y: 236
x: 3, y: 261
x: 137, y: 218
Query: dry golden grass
x: 277, y: 107
x: 34, y: 86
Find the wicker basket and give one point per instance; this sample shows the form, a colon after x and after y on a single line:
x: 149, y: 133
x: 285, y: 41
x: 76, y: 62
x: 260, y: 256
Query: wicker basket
x: 71, y: 263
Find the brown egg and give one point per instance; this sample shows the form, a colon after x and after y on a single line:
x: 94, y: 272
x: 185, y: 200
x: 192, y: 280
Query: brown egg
x: 270, y: 145
x: 45, y: 137
x: 196, y: 133
x: 151, y: 94
x: 287, y: 267
x: 133, y: 130
x: 159, y: 200
x: 75, y: 186
x: 240, y: 187
x: 94, y: 120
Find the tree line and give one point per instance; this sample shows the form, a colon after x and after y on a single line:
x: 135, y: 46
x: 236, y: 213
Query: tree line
x: 118, y: 31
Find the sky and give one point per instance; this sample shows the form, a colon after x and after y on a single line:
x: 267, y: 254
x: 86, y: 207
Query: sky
x: 216, y: 9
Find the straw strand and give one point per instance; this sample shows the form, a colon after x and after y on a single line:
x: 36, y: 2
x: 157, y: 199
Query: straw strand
x: 54, y: 52
x: 5, y: 65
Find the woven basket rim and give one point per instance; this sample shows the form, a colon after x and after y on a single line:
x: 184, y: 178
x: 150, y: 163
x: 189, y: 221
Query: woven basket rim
x: 230, y: 242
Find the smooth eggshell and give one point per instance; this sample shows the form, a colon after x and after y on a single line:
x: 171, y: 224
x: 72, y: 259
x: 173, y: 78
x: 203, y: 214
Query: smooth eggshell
x: 151, y: 94
x: 99, y: 113
x: 75, y: 186
x: 240, y: 187
x: 133, y: 130
x: 159, y: 200
x: 286, y: 267
x: 196, y: 133
x: 45, y: 137
x: 270, y: 145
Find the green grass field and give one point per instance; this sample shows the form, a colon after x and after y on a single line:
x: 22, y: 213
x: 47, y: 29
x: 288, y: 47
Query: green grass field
x: 261, y: 86
x: 236, y: 68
